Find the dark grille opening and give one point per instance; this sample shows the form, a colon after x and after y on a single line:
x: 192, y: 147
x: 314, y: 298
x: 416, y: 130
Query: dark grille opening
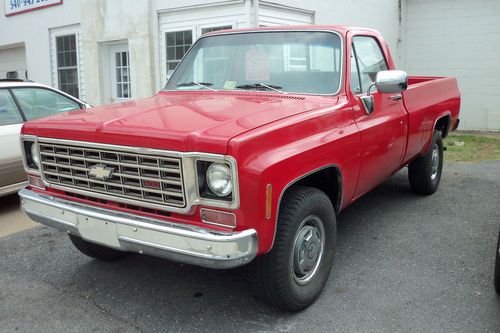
x: 62, y: 160
x: 82, y: 183
x: 150, y: 173
x: 97, y: 186
x: 128, y: 159
x: 148, y: 161
x: 51, y: 168
x: 130, y: 170
x: 131, y: 181
x: 92, y: 154
x: 48, y: 158
x: 172, y: 187
x: 76, y: 152
x: 65, y: 171
x: 78, y: 163
x: 46, y: 149
x: 114, y: 189
x: 153, y: 196
x: 169, y: 164
x: 133, y: 193
x: 66, y: 180
x: 61, y: 150
x: 109, y: 156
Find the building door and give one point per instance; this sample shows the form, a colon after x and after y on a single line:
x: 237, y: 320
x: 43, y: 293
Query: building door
x: 13, y: 63
x: 120, y: 88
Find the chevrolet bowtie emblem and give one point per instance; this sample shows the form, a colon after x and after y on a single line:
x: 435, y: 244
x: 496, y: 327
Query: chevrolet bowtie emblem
x: 100, y: 171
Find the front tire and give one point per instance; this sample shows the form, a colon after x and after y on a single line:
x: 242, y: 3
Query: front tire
x: 424, y: 173
x: 292, y: 275
x: 497, y: 267
x: 96, y: 251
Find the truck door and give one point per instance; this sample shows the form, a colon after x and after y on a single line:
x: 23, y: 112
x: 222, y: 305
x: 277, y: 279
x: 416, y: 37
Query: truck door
x: 383, y: 132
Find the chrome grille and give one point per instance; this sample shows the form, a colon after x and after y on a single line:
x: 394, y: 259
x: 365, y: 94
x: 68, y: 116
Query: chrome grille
x: 140, y: 177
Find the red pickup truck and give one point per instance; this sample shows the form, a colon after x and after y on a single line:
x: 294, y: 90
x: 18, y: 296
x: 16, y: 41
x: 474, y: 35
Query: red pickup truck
x: 258, y: 141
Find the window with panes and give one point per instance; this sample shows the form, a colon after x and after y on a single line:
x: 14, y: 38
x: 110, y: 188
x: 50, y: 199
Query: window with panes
x: 67, y: 64
x: 178, y: 42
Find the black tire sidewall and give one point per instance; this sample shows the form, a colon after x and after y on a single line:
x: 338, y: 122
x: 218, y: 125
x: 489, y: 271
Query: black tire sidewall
x: 420, y: 169
x: 436, y: 139
x: 303, y: 295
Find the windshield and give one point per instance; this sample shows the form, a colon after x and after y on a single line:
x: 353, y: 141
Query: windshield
x: 301, y: 62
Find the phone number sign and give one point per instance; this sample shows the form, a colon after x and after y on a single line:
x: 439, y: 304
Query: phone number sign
x: 14, y: 7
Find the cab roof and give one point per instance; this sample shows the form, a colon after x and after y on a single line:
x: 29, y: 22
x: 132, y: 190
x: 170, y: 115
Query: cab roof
x: 342, y: 29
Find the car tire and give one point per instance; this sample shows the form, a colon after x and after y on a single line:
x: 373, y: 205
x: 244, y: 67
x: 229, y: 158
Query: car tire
x: 292, y: 275
x: 424, y: 173
x: 497, y: 267
x: 96, y: 251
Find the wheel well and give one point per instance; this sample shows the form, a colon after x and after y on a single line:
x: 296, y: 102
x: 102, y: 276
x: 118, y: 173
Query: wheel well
x: 443, y: 125
x: 328, y: 180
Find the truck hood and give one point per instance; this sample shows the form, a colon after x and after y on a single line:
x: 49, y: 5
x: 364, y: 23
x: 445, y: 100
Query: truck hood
x: 180, y: 121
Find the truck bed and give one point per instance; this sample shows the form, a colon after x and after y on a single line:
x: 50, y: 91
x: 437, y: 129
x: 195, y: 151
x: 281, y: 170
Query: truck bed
x: 428, y: 99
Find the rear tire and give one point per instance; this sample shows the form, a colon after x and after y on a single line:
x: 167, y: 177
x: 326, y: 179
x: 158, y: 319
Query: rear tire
x: 424, y: 173
x: 292, y: 275
x: 497, y: 267
x: 96, y: 251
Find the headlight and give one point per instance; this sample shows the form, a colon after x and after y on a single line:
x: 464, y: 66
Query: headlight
x: 34, y: 155
x: 219, y: 179
x: 31, y: 155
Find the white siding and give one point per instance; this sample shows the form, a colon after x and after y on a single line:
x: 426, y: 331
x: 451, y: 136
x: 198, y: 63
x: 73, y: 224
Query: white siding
x: 272, y: 14
x: 459, y: 38
x: 13, y: 59
x: 64, y: 31
x: 195, y: 19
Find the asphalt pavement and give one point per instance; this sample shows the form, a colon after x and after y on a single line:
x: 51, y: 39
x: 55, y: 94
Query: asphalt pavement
x: 404, y: 263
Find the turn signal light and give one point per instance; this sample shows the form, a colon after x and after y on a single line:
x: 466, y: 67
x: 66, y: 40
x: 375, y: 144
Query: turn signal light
x: 36, y: 182
x: 269, y: 196
x: 219, y: 218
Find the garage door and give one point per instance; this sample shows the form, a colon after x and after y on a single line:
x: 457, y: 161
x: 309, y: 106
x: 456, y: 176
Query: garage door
x: 13, y: 63
x: 459, y: 38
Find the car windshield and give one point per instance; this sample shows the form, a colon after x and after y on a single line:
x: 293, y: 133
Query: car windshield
x: 301, y: 62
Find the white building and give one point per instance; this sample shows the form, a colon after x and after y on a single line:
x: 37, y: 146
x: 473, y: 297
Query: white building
x: 108, y: 51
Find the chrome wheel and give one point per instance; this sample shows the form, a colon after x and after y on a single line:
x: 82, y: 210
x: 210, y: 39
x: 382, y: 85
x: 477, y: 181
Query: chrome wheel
x: 308, y: 248
x: 434, y: 161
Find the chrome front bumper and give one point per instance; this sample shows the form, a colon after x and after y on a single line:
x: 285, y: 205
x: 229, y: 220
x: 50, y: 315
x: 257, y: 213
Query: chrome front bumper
x: 127, y: 232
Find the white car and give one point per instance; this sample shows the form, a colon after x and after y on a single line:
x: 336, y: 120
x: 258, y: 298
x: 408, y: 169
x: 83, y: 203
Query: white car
x: 19, y: 102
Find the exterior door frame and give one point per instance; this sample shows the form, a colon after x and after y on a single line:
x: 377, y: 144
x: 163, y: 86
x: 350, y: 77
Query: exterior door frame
x: 108, y: 79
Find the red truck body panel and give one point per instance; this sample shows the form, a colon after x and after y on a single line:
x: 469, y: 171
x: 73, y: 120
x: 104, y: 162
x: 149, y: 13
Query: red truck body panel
x: 276, y: 138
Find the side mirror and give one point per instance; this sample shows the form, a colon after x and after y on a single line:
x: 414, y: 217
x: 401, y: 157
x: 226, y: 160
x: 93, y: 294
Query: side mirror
x: 391, y: 82
x: 367, y: 101
x: 386, y: 82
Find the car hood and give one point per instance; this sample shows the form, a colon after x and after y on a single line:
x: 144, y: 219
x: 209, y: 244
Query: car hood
x: 180, y: 121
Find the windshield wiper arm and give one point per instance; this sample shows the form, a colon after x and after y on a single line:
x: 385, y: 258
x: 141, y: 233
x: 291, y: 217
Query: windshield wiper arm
x: 261, y: 85
x: 194, y: 83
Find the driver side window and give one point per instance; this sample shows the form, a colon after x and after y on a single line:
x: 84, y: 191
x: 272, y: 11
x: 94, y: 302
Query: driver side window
x: 38, y: 103
x: 370, y: 60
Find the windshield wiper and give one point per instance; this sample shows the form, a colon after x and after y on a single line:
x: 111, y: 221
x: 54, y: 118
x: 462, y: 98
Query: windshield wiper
x: 194, y: 83
x: 259, y: 85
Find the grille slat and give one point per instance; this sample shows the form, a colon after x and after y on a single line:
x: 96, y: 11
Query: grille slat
x: 100, y: 160
x: 138, y: 177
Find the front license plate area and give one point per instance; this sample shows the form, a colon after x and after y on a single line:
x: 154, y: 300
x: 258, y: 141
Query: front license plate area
x: 98, y: 231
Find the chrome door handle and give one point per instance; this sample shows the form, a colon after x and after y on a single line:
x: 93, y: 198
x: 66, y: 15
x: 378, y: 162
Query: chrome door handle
x: 396, y: 97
